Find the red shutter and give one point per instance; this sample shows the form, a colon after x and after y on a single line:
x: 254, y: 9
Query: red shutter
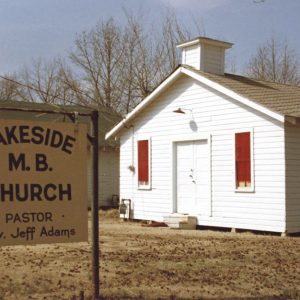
x: 143, y: 161
x: 243, y: 158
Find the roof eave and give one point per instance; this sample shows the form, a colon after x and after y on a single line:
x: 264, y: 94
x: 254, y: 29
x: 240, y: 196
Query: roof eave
x: 207, y: 41
x: 220, y: 88
x: 294, y: 120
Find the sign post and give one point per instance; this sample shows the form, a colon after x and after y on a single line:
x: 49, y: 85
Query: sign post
x: 95, y: 206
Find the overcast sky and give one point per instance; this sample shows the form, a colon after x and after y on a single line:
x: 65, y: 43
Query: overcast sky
x: 32, y: 29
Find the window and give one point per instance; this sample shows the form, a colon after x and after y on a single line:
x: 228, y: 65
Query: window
x: 243, y: 161
x: 144, y: 164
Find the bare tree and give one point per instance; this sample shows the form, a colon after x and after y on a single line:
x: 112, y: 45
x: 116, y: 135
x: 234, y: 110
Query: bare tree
x: 151, y: 54
x: 117, y: 66
x: 111, y: 65
x: 275, y: 61
x: 173, y: 33
x: 98, y: 57
x: 42, y: 82
x: 73, y: 87
x: 130, y: 41
x: 9, y: 89
x: 146, y: 64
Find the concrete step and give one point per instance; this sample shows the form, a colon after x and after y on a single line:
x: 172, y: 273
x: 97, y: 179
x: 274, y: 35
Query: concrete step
x: 180, y: 221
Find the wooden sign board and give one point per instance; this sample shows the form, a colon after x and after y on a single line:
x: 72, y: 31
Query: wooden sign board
x: 43, y: 182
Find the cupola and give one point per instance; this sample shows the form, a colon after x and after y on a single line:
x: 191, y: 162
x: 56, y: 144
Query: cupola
x: 205, y: 54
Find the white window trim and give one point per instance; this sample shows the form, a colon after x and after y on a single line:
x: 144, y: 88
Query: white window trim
x: 244, y: 189
x: 149, y: 185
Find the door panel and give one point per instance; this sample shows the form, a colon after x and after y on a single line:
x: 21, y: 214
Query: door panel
x: 192, y: 176
x: 202, y: 174
x: 184, y: 184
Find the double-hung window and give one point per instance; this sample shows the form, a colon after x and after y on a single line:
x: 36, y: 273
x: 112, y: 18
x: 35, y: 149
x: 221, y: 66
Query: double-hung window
x: 243, y: 161
x: 144, y: 164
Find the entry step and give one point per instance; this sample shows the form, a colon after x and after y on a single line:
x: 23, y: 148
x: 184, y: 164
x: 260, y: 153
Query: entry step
x: 180, y: 221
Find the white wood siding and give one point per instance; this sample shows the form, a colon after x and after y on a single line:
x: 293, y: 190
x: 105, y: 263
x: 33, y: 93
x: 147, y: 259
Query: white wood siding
x: 212, y: 59
x: 108, y: 176
x: 191, y: 56
x: 218, y: 116
x: 292, y: 137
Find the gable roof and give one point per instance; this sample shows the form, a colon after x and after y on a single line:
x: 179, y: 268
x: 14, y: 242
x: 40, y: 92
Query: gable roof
x: 281, y: 98
x: 55, y: 108
x: 273, y: 99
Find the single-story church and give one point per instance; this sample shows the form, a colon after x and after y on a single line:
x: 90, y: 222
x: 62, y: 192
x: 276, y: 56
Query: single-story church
x: 220, y: 147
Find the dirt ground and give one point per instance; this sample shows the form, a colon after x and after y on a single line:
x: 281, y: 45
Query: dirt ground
x: 156, y: 263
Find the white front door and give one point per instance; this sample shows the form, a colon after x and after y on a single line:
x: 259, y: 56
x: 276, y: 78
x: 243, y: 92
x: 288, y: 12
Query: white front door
x: 192, y: 177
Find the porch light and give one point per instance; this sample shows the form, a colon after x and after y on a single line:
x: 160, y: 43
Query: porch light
x: 180, y: 110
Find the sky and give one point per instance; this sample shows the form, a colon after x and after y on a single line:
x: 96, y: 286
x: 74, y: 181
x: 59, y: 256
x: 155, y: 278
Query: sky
x: 34, y: 29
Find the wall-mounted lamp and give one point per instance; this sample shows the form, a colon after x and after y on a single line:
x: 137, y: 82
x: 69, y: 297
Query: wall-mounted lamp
x: 180, y: 110
x: 192, y: 123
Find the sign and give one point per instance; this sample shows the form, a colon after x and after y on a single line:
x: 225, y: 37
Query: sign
x: 43, y: 182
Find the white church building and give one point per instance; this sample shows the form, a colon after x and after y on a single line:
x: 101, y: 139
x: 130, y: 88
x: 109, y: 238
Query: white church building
x: 222, y: 148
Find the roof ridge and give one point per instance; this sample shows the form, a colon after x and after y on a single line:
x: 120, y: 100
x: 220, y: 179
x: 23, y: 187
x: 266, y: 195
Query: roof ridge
x: 263, y: 80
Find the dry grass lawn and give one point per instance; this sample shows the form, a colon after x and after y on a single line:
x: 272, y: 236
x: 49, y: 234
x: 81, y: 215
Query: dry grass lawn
x: 156, y: 263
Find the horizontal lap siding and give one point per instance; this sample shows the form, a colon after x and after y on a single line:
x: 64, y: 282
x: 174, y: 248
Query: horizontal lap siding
x: 126, y: 176
x: 249, y: 210
x: 191, y: 56
x: 219, y: 117
x: 108, y: 176
x: 213, y: 59
x: 292, y: 135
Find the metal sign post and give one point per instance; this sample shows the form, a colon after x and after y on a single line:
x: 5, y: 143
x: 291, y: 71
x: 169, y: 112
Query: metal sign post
x: 95, y: 207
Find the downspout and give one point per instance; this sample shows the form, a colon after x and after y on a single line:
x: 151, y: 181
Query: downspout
x: 132, y: 163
